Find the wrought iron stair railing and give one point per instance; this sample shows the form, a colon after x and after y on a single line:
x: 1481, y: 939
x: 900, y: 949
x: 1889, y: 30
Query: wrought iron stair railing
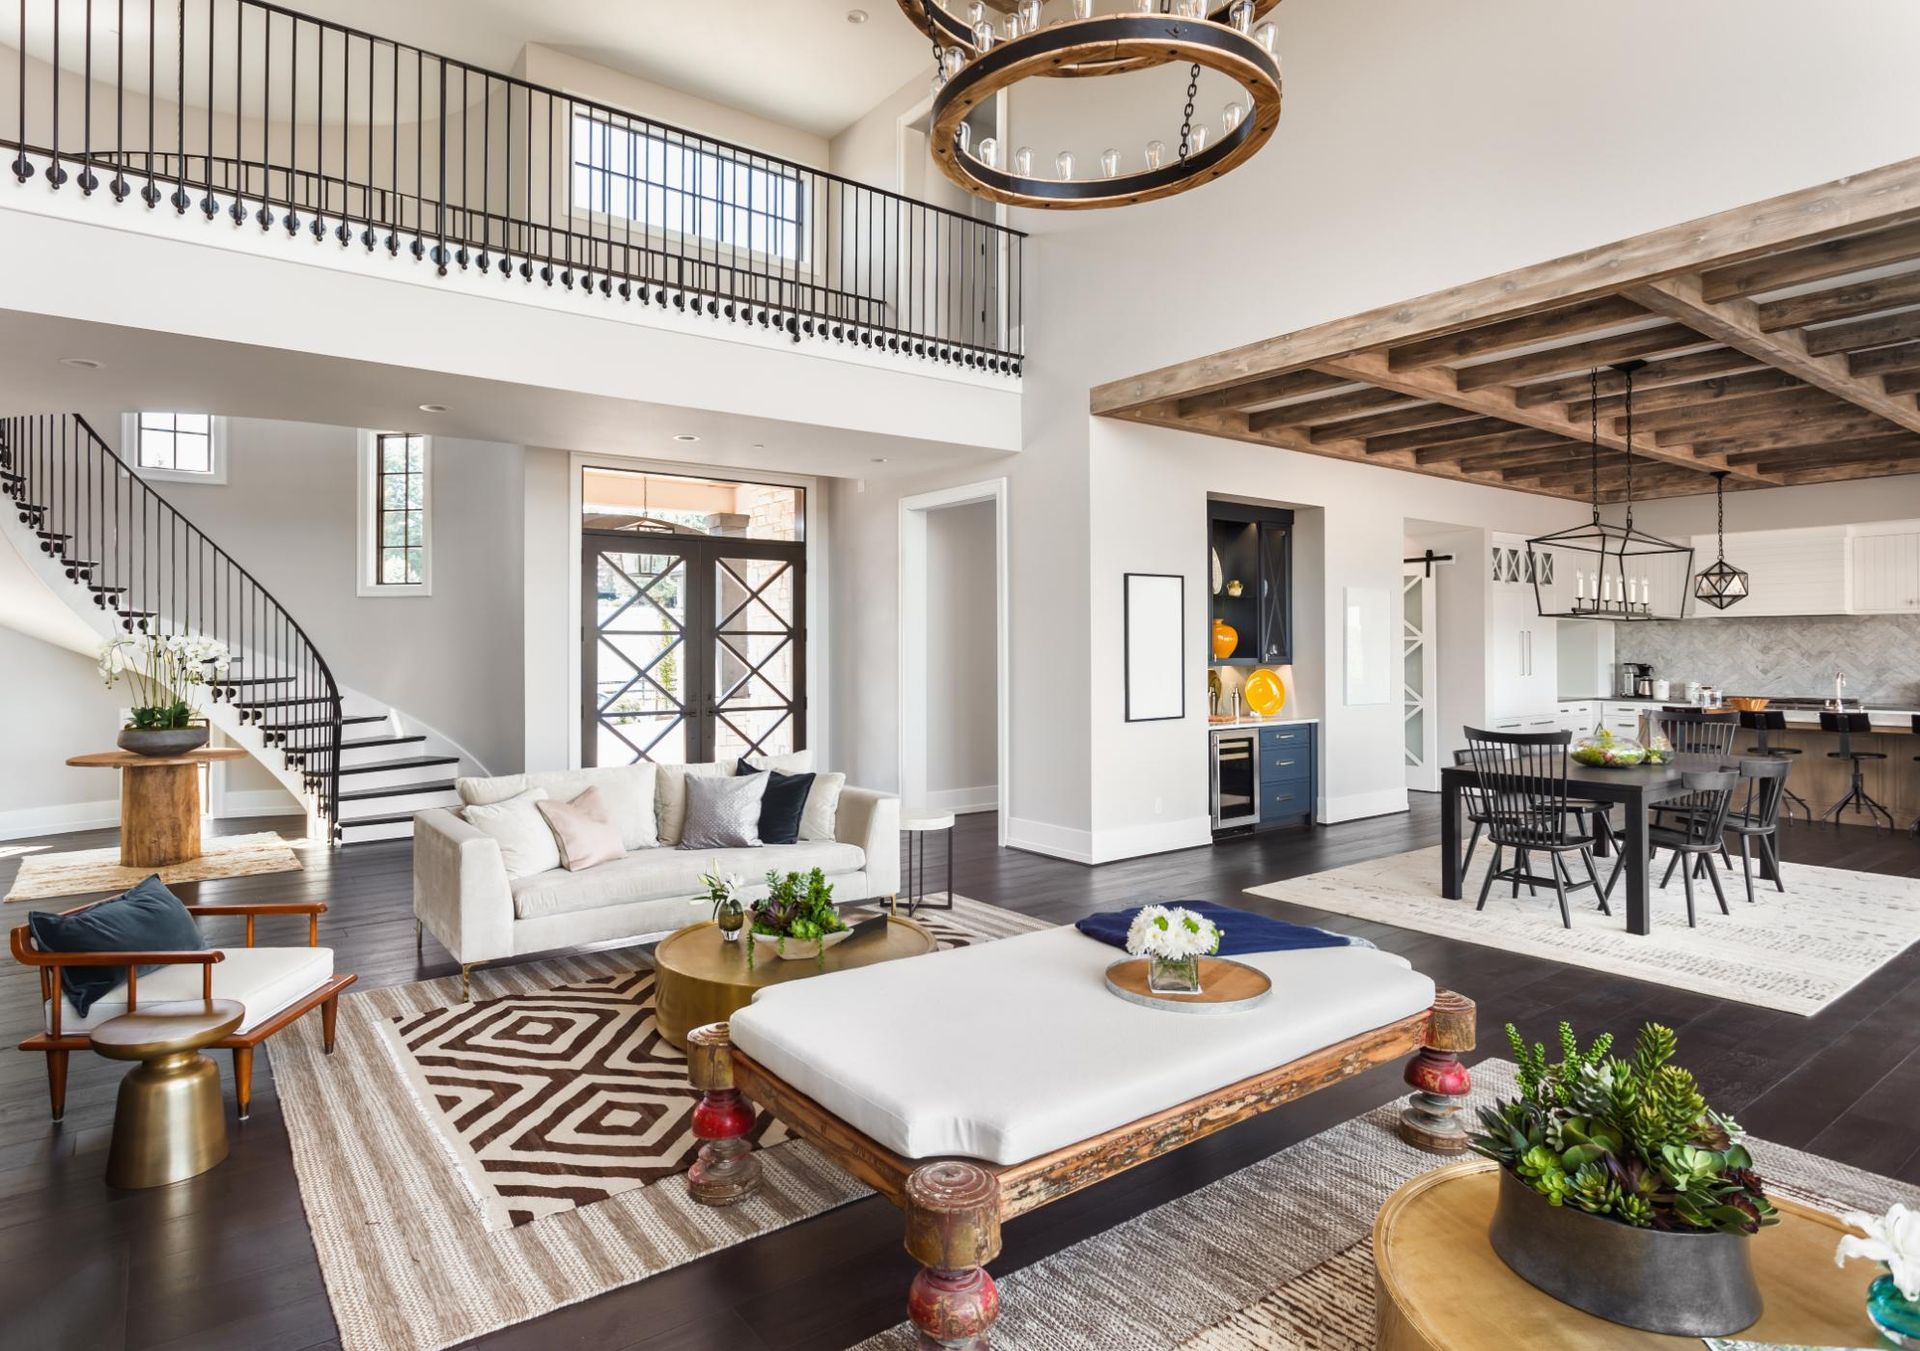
x: 254, y: 116
x: 158, y: 574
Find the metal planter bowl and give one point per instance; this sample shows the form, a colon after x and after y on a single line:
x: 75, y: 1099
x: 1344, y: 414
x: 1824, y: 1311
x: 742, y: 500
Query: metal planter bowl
x: 161, y: 742
x: 1684, y: 1284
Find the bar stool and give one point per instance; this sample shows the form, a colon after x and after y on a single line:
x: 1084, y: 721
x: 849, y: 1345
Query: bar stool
x: 1763, y: 725
x: 1916, y: 760
x: 1846, y: 726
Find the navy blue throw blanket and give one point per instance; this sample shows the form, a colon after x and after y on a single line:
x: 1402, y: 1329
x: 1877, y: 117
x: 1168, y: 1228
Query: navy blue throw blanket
x: 1241, y: 931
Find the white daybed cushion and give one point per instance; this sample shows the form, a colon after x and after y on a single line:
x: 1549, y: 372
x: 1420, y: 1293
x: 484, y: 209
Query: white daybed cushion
x: 266, y: 980
x: 1008, y: 1050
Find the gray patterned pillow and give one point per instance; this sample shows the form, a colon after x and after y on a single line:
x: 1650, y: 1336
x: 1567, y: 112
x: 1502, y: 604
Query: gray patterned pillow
x: 723, y: 813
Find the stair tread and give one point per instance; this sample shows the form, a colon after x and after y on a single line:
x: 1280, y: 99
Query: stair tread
x: 382, y: 741
x: 350, y: 721
x: 398, y: 819
x: 413, y: 762
x: 296, y: 701
x: 256, y: 680
x: 402, y: 790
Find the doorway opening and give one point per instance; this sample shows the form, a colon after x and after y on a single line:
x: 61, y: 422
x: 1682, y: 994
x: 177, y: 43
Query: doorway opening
x: 953, y: 651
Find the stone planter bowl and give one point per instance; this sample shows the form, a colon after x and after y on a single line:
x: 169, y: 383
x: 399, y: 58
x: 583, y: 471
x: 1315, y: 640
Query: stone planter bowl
x: 1684, y: 1284
x: 161, y: 742
x: 799, y: 949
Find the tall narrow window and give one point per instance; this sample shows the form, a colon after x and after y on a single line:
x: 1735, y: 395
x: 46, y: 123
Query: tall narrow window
x: 395, y: 534
x: 190, y: 447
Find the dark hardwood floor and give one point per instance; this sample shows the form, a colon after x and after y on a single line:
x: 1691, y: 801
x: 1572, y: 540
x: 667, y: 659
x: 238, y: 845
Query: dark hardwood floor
x: 225, y: 1261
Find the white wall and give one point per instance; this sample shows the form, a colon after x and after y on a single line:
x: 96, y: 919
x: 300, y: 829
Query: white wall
x: 1878, y: 499
x: 962, y: 660
x: 62, y: 709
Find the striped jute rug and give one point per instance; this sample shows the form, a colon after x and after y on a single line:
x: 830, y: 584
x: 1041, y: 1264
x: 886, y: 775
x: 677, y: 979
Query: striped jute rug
x: 1278, y: 1257
x: 410, y: 1260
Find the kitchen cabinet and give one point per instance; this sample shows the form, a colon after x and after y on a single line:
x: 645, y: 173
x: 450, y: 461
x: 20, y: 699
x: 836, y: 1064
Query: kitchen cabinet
x: 1254, y: 547
x: 1622, y: 719
x: 1522, y: 658
x: 1579, y: 718
x: 1886, y: 569
x: 1287, y: 775
x: 1790, y: 572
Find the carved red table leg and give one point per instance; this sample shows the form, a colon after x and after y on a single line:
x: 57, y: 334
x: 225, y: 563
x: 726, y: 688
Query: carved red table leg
x: 1431, y: 1120
x: 953, y: 1231
x: 726, y: 1170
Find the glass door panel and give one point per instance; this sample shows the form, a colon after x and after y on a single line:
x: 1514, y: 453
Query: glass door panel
x: 637, y: 696
x: 757, y: 696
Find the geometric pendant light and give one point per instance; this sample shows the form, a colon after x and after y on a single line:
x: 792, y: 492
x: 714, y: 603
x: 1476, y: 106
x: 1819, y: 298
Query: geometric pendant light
x: 1720, y: 584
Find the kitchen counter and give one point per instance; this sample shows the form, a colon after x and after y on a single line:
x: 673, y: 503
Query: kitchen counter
x: 1240, y: 724
x: 1887, y: 721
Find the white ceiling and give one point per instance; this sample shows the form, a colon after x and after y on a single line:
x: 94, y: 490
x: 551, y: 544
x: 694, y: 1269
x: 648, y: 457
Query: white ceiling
x: 797, y: 62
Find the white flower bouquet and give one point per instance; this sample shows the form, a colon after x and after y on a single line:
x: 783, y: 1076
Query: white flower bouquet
x: 1173, y: 940
x: 164, y: 671
x: 1893, y: 1300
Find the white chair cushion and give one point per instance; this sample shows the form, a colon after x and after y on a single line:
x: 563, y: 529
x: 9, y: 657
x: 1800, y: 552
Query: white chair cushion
x: 628, y: 791
x: 1051, y: 1057
x: 652, y: 874
x: 266, y: 980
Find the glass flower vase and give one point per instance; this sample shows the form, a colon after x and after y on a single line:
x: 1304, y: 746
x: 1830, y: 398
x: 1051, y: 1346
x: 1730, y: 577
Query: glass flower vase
x: 731, y: 917
x: 1173, y: 975
x: 1897, y: 1317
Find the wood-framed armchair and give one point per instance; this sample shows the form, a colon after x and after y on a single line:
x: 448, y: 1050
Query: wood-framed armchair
x: 277, y: 985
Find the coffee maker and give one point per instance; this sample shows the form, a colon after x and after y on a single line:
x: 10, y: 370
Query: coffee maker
x: 1635, y: 680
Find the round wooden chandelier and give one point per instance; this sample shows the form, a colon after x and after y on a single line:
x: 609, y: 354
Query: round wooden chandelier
x: 978, y: 58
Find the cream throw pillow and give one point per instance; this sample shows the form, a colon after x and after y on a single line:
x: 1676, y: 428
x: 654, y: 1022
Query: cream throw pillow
x: 670, y: 794
x: 582, y: 831
x: 799, y: 762
x: 526, y: 844
x: 822, y: 814
x: 627, y: 792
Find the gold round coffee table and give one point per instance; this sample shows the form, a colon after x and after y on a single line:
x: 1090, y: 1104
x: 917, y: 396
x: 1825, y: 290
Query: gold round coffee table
x: 168, y: 1124
x: 700, y: 979
x: 1439, y: 1286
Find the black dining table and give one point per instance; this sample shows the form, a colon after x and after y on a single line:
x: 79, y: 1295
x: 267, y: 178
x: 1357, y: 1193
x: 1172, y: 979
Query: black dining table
x: 1637, y: 789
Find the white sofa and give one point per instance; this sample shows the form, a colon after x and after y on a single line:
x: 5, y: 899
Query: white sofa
x: 464, y: 897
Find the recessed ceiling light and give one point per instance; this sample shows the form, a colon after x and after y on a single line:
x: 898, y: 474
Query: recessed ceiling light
x: 433, y: 408
x: 686, y: 436
x: 856, y: 16
x: 758, y: 446
x: 82, y: 363
x: 879, y: 459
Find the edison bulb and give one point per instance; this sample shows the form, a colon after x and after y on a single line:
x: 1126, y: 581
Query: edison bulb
x: 1197, y: 139
x: 976, y: 11
x: 983, y: 35
x: 963, y: 137
x: 1156, y: 151
x: 1241, y: 15
x: 1063, y: 165
x: 1029, y: 15
x: 1230, y: 118
x: 1266, y: 35
x: 951, y: 60
x: 988, y: 152
x: 1023, y: 161
x: 1083, y: 9
x: 1110, y: 163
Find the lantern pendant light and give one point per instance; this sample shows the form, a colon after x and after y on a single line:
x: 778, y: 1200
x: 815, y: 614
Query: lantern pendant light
x: 1720, y: 584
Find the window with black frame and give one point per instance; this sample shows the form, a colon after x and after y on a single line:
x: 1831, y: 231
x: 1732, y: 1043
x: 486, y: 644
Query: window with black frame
x: 400, y: 507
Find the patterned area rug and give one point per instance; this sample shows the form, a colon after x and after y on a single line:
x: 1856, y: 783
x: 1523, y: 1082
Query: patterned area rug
x: 1279, y: 1256
x: 452, y: 1194
x: 84, y: 870
x: 1796, y: 951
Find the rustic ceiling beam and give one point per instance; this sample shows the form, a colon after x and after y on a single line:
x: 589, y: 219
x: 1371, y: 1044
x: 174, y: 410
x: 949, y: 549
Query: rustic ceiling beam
x: 1600, y: 312
x: 1842, y: 302
x: 1720, y: 436
x: 1490, y: 452
x: 1306, y: 413
x: 1436, y: 383
x: 1879, y: 360
x: 1401, y: 420
x: 1672, y: 371
x: 1797, y: 400
x: 1863, y: 447
x: 1834, y: 473
x: 1876, y: 199
x: 1817, y: 262
x: 1432, y: 436
x: 1737, y: 324
x: 1900, y: 382
x: 1718, y: 391
x: 1862, y: 333
x: 1256, y: 392
x: 1770, y: 437
x: 1580, y: 356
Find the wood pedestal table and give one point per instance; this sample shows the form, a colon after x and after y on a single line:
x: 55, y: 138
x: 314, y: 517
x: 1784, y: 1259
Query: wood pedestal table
x: 159, y: 802
x: 1441, y: 1287
x: 1017, y: 1106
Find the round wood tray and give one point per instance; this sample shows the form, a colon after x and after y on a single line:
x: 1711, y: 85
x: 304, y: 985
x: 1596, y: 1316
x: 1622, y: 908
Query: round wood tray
x: 1226, y: 986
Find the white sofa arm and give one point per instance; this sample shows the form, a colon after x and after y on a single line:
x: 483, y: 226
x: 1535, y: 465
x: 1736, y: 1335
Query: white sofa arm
x: 460, y: 889
x: 872, y: 821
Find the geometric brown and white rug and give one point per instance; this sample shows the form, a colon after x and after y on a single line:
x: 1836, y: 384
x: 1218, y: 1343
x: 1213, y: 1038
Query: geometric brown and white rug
x: 1796, y: 951
x: 76, y: 871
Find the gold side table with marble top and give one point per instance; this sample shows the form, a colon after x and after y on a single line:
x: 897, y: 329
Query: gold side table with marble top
x: 699, y: 978
x: 167, y: 1124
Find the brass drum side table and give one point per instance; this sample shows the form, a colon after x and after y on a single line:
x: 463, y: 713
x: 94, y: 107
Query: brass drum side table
x: 168, y: 1125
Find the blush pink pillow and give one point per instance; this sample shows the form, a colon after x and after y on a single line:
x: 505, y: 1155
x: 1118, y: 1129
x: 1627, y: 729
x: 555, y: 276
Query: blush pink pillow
x: 583, y: 831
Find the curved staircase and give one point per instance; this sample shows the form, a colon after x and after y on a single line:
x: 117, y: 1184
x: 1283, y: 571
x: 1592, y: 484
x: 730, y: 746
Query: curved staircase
x: 126, y: 561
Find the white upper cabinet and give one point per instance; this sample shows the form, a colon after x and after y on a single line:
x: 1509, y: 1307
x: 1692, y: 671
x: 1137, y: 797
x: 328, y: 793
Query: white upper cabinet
x: 1886, y: 568
x: 1790, y: 572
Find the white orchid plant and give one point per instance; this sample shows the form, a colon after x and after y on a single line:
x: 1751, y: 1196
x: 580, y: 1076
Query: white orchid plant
x: 1171, y: 934
x: 1893, y: 1238
x: 164, y: 670
x: 721, y: 890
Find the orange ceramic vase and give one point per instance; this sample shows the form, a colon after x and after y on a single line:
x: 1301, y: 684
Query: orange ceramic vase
x: 1225, y: 639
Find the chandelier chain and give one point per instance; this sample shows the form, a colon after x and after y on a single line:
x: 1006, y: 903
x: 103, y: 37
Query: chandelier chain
x: 1186, y: 121
x: 1593, y: 407
x: 1720, y: 513
x: 1629, y: 375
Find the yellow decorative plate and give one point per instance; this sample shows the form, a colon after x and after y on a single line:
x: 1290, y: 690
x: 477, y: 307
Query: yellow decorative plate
x: 1265, y: 692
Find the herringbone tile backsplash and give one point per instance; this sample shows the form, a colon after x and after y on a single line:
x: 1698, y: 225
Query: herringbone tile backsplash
x: 1786, y: 655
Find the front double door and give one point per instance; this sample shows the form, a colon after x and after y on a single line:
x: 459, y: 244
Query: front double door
x: 693, y: 648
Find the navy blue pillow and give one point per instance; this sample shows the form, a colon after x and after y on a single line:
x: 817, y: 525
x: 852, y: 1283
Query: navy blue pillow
x: 147, y: 918
x: 783, y: 806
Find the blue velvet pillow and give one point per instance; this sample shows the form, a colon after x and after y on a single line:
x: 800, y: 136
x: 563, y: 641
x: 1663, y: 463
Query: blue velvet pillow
x: 147, y: 918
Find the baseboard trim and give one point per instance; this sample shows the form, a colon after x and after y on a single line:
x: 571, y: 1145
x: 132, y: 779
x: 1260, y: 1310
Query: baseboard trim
x: 964, y: 801
x: 1358, y: 806
x: 1042, y: 837
x: 24, y: 822
x: 1156, y: 837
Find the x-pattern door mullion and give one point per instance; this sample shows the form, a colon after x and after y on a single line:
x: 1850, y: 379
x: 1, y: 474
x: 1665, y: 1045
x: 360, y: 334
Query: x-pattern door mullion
x: 642, y: 672
x: 755, y: 668
x: 753, y: 593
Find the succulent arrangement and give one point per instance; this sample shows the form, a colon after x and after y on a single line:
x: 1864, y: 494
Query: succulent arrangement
x: 799, y: 907
x: 1632, y: 1140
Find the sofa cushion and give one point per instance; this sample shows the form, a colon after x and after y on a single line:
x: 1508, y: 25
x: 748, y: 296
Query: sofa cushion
x: 654, y: 874
x: 627, y: 790
x: 723, y: 813
x: 794, y: 762
x: 265, y: 980
x: 145, y: 918
x: 822, y: 815
x: 581, y: 830
x: 526, y: 841
x: 670, y: 795
x: 783, y: 806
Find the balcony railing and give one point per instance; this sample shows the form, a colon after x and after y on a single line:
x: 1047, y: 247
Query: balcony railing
x: 252, y: 116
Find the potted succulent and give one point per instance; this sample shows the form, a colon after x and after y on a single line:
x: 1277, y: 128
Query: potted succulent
x: 1173, y: 941
x: 165, y: 672
x: 1621, y: 1192
x: 796, y: 917
x: 723, y: 897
